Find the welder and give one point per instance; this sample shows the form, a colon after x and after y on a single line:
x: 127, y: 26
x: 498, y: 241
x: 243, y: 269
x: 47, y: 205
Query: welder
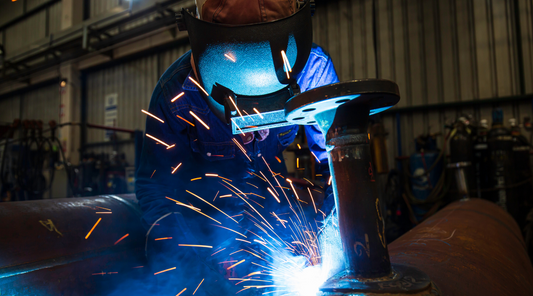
x: 186, y: 249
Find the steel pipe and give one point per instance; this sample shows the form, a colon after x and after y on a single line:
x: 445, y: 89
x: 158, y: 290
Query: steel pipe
x: 46, y: 248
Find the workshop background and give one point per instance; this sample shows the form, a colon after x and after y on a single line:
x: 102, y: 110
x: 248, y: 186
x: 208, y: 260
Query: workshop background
x: 75, y: 75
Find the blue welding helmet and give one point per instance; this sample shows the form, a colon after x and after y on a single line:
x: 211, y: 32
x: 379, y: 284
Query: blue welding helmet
x: 254, y: 64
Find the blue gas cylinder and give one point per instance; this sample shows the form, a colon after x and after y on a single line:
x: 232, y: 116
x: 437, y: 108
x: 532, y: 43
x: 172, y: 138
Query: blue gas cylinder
x: 422, y: 181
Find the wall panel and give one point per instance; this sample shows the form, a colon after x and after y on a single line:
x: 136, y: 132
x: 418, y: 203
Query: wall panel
x: 42, y: 104
x: 9, y: 109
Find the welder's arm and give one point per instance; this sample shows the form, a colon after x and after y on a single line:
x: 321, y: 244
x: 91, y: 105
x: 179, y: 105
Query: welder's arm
x: 155, y: 180
x: 325, y: 74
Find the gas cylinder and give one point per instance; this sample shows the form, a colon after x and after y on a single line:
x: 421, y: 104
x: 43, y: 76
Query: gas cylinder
x: 501, y: 164
x: 522, y: 172
x: 461, y: 159
x: 481, y: 159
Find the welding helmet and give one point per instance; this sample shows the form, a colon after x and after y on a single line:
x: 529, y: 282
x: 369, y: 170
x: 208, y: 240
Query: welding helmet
x: 250, y: 68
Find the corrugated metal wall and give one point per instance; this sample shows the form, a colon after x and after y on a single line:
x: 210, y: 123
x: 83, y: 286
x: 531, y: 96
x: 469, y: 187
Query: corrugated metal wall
x: 134, y: 83
x: 437, y: 52
x: 40, y: 104
x: 20, y: 35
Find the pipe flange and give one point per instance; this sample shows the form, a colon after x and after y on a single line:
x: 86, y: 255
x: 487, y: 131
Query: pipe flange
x: 403, y: 280
x: 378, y: 94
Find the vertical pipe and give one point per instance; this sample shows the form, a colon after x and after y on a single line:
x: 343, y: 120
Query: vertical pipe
x: 83, y: 106
x: 356, y: 197
x: 519, y: 49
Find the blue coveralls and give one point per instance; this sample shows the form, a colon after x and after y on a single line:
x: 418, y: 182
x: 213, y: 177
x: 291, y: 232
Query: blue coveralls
x: 198, y: 151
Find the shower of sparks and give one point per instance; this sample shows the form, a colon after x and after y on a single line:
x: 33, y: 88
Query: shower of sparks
x: 312, y: 199
x: 330, y: 179
x: 241, y: 148
x: 235, y: 105
x: 120, y: 239
x: 236, y: 264
x: 198, y: 118
x: 195, y: 246
x: 315, y: 157
x: 152, y: 115
x: 87, y: 236
x: 211, y: 205
x: 164, y: 270
x: 230, y: 57
x: 199, y: 86
x: 157, y: 140
x: 198, y: 286
x: 258, y: 113
x: 176, y: 168
x: 185, y: 120
x: 177, y: 97
x: 277, y: 199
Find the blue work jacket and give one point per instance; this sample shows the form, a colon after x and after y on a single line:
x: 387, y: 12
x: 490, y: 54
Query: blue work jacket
x: 198, y: 150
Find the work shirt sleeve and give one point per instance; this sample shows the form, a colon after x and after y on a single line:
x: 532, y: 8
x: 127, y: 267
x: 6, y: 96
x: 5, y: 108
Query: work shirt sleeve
x: 158, y: 175
x: 322, y: 72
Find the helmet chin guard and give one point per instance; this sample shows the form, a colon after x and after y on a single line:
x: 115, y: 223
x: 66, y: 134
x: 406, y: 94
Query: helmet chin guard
x: 252, y: 67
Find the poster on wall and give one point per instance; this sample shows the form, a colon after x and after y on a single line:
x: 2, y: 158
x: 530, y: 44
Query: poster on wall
x: 110, y: 115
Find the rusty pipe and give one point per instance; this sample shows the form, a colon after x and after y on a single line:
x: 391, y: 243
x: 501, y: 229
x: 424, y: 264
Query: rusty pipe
x: 470, y: 247
x: 44, y: 249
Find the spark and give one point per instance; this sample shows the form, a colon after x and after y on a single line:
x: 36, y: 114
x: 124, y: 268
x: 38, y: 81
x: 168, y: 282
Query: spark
x: 286, y: 64
x: 198, y: 118
x: 299, y: 147
x: 171, y: 146
x: 103, y: 213
x: 312, y: 199
x: 315, y: 157
x: 164, y: 270
x: 162, y: 238
x: 226, y: 195
x: 225, y: 179
x: 152, y: 115
x: 279, y: 160
x: 218, y: 251
x: 194, y: 179
x: 103, y: 208
x: 330, y: 179
x: 240, y: 239
x: 182, y: 204
x: 292, y: 186
x: 185, y: 120
x: 157, y: 140
x: 176, y: 168
x: 248, y: 115
x: 309, y: 182
x: 100, y: 273
x: 196, y: 246
x: 237, y: 126
x: 230, y: 57
x: 280, y: 220
x: 260, y: 242
x: 152, y: 174
x: 236, y: 264
x: 318, y: 175
x: 252, y: 185
x: 211, y: 175
x: 138, y: 267
x: 269, y: 182
x: 236, y: 108
x: 125, y: 236
x: 177, y: 97
x: 198, y: 85
x: 297, y: 162
x: 198, y: 286
x: 199, y: 212
x: 270, y: 190
x: 216, y: 196
x: 274, y: 176
x: 242, y: 148
x: 211, y: 205
x: 182, y: 291
x: 87, y: 236
x: 258, y: 113
x: 231, y: 230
